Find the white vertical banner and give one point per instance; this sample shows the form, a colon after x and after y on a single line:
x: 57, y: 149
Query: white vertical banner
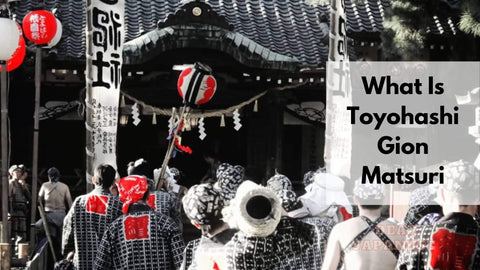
x: 105, y: 37
x: 338, y: 134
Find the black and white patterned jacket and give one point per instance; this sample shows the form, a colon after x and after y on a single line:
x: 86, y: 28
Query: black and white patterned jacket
x: 142, y: 239
x: 85, y: 223
x: 166, y: 203
x: 324, y: 226
x: 220, y: 239
x: 453, y: 242
x: 294, y: 245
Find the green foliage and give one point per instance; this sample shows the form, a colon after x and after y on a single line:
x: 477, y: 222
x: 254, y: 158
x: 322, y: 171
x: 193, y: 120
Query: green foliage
x: 404, y: 32
x: 470, y: 18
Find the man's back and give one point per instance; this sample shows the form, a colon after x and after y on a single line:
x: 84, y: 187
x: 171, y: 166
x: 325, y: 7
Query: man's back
x: 166, y: 203
x: 142, y: 239
x: 56, y: 195
x: 451, y: 243
x: 299, y: 245
x: 85, y: 224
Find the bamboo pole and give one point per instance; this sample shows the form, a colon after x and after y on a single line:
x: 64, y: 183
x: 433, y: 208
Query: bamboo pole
x: 4, y: 112
x: 171, y: 145
x: 47, y: 232
x: 38, y: 74
x: 89, y: 143
x: 5, y: 249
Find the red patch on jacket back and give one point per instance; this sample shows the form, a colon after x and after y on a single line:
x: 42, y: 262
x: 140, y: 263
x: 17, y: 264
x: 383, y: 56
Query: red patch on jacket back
x: 136, y: 227
x: 345, y: 214
x: 151, y: 201
x: 97, y: 204
x: 449, y: 250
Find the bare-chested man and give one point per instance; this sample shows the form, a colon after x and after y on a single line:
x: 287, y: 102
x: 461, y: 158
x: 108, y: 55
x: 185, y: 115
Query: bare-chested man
x: 368, y: 241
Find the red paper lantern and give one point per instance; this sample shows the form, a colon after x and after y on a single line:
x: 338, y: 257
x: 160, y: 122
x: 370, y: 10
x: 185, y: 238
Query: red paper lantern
x: 196, y: 85
x: 40, y: 26
x: 17, y: 57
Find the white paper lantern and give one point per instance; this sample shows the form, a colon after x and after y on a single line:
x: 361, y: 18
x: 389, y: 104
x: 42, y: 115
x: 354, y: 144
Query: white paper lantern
x: 58, y: 35
x: 10, y: 37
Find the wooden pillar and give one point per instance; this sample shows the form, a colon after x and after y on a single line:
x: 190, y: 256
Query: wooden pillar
x: 38, y: 82
x: 257, y: 139
x: 313, y: 143
x: 4, y: 143
x: 274, y: 132
x: 5, y: 256
x: 5, y: 246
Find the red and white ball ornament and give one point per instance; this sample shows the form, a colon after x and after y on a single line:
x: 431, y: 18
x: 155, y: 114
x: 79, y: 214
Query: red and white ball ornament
x: 19, y: 54
x: 196, y: 85
x: 10, y: 38
x: 40, y: 26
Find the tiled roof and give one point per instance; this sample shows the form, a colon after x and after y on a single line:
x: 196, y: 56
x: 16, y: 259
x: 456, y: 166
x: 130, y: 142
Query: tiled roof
x: 241, y: 48
x: 288, y: 27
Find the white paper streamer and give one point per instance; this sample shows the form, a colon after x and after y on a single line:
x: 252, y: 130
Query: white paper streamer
x: 236, y: 120
x: 201, y: 129
x: 154, y: 119
x: 135, y: 114
x: 222, y: 120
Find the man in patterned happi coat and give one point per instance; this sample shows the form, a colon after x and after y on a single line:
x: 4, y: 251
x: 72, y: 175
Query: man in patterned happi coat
x: 141, y: 238
x: 275, y: 242
x: 163, y: 201
x: 203, y: 205
x: 453, y: 242
x: 324, y: 223
x: 306, y: 243
x: 87, y: 220
x: 229, y: 178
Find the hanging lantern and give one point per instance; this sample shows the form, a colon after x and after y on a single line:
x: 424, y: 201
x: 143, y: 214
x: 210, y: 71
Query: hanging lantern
x: 10, y: 38
x: 40, y: 26
x: 17, y: 58
x: 196, y: 85
x: 58, y: 35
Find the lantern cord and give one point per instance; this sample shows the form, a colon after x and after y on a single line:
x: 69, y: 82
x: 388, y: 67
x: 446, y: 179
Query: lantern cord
x: 217, y: 113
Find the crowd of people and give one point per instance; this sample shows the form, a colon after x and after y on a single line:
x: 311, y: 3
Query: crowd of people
x: 128, y: 223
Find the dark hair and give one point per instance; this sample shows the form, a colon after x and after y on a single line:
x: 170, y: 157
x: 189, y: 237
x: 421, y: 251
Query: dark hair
x: 53, y: 174
x: 143, y: 169
x: 370, y: 206
x: 146, y: 195
x: 105, y: 175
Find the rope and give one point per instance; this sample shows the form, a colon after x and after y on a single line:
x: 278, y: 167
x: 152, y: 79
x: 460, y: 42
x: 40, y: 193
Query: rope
x: 217, y: 113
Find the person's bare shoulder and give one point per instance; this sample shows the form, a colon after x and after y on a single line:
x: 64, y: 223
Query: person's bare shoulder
x: 345, y: 225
